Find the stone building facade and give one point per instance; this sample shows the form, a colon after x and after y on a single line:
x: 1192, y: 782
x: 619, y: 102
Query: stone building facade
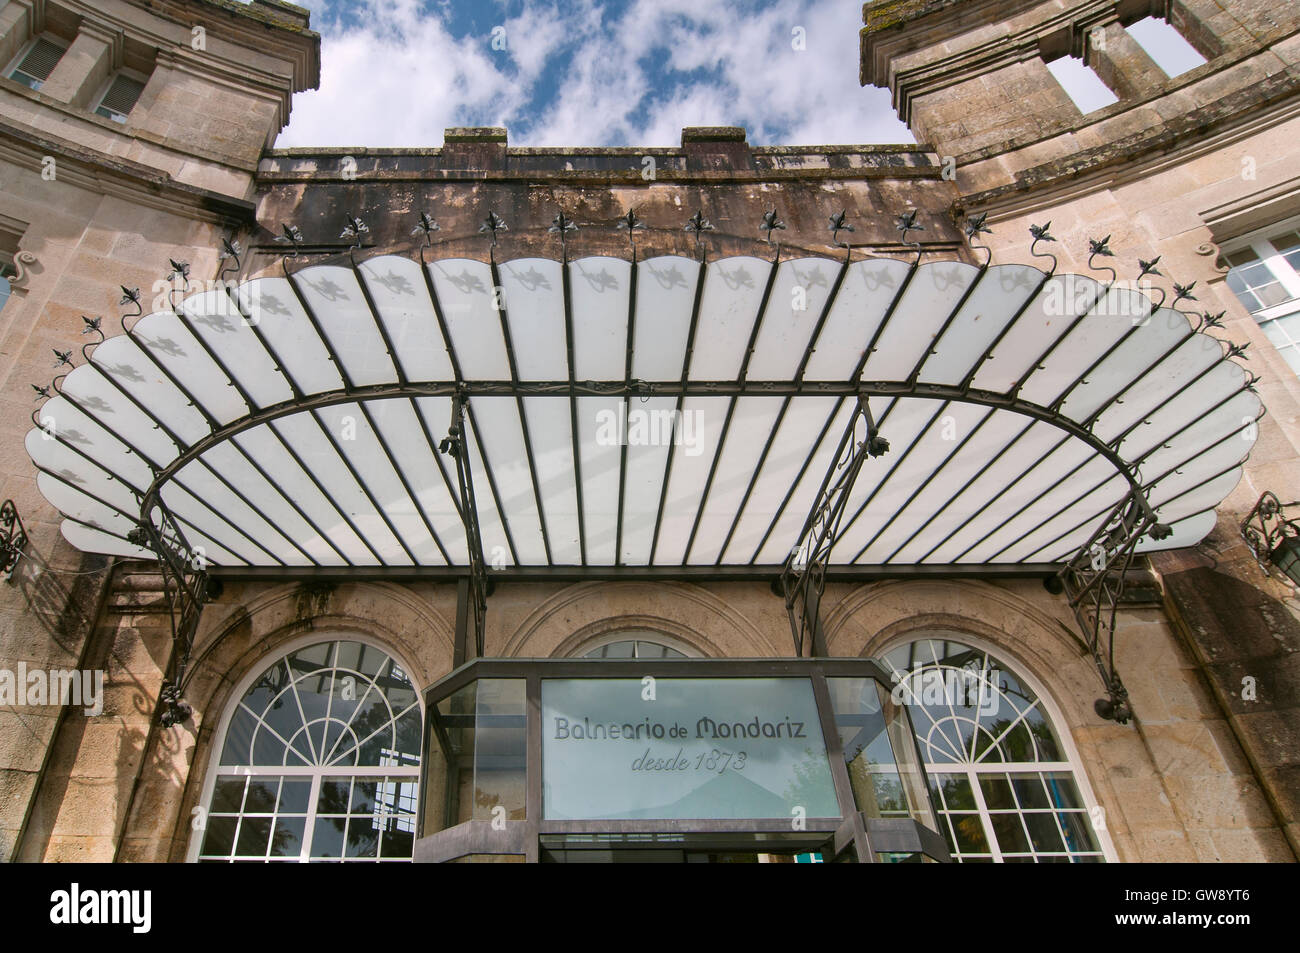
x: 1178, y: 168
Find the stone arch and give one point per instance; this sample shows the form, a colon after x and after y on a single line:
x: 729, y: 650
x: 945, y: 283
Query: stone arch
x: 1029, y: 634
x: 251, y: 634
x: 581, y: 613
x: 876, y: 615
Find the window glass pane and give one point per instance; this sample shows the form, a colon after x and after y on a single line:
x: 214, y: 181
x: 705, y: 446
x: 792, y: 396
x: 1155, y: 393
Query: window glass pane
x: 1078, y: 830
x: 334, y: 796
x: 294, y: 795
x: 397, y: 843
x: 1029, y: 790
x: 327, y: 839
x: 1283, y: 331
x: 228, y: 795
x: 363, y: 797
x: 1061, y: 790
x: 1287, y: 243
x: 261, y: 795
x: 1043, y: 833
x: 254, y: 832
x: 956, y: 792
x: 1009, y: 832
x: 220, y: 836
x: 363, y: 838
x: 287, y: 839
x: 968, y: 833
x: 997, y: 792
x: 1254, y: 283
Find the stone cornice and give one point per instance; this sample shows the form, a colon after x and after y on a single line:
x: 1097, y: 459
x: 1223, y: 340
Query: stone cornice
x: 232, y: 76
x: 1194, y: 133
x: 129, y: 180
x: 1177, y: 84
x: 895, y: 28
x: 76, y: 115
x: 242, y: 25
x: 1063, y: 32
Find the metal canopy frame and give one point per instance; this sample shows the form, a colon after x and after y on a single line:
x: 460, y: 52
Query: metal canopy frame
x: 1118, y: 530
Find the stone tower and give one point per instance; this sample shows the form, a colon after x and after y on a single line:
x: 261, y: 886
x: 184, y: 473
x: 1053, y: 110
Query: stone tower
x: 129, y: 134
x: 1181, y: 167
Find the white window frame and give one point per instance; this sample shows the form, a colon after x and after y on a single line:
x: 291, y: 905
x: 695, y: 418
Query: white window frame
x: 218, y: 743
x: 98, y: 101
x: 1268, y: 255
x: 1072, y: 764
x: 1261, y: 245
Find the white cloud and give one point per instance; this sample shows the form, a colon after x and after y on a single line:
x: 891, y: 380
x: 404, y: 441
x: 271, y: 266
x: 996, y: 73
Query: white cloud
x: 630, y: 77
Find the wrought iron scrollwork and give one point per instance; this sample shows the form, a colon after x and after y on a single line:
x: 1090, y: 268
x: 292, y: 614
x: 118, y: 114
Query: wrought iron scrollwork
x: 1094, y: 582
x: 13, y: 538
x: 1266, y: 527
x: 184, y: 571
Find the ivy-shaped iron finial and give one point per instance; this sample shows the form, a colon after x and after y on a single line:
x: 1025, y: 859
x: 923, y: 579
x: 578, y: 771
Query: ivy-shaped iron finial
x: 1042, y: 233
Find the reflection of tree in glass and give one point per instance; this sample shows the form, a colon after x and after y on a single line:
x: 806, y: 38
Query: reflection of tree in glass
x: 877, y: 788
x: 969, y: 833
x: 811, y: 785
x: 333, y: 797
x: 285, y: 841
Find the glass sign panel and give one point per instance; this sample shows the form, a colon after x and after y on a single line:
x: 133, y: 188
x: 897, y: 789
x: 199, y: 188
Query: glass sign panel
x: 679, y: 748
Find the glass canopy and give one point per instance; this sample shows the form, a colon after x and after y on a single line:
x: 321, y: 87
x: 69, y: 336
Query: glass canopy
x: 664, y: 413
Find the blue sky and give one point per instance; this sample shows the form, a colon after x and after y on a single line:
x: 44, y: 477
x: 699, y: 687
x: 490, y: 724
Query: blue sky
x: 588, y: 72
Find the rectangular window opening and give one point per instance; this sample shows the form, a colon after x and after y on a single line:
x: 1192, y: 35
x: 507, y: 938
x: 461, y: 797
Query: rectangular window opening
x: 120, y: 97
x: 36, y: 64
x: 1165, y: 45
x: 1082, y: 84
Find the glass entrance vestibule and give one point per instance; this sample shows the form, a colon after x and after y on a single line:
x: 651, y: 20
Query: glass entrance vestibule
x: 676, y: 760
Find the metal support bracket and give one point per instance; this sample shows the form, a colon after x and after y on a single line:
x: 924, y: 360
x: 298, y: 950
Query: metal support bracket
x: 13, y: 539
x: 1094, y: 580
x: 803, y: 575
x: 454, y: 446
x: 184, y: 570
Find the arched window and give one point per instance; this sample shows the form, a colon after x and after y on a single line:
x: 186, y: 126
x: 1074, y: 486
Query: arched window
x: 319, y: 760
x: 635, y: 644
x: 1004, y: 787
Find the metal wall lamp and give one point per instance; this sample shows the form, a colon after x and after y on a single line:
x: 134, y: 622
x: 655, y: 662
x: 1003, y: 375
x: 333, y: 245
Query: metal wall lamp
x: 1274, y: 539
